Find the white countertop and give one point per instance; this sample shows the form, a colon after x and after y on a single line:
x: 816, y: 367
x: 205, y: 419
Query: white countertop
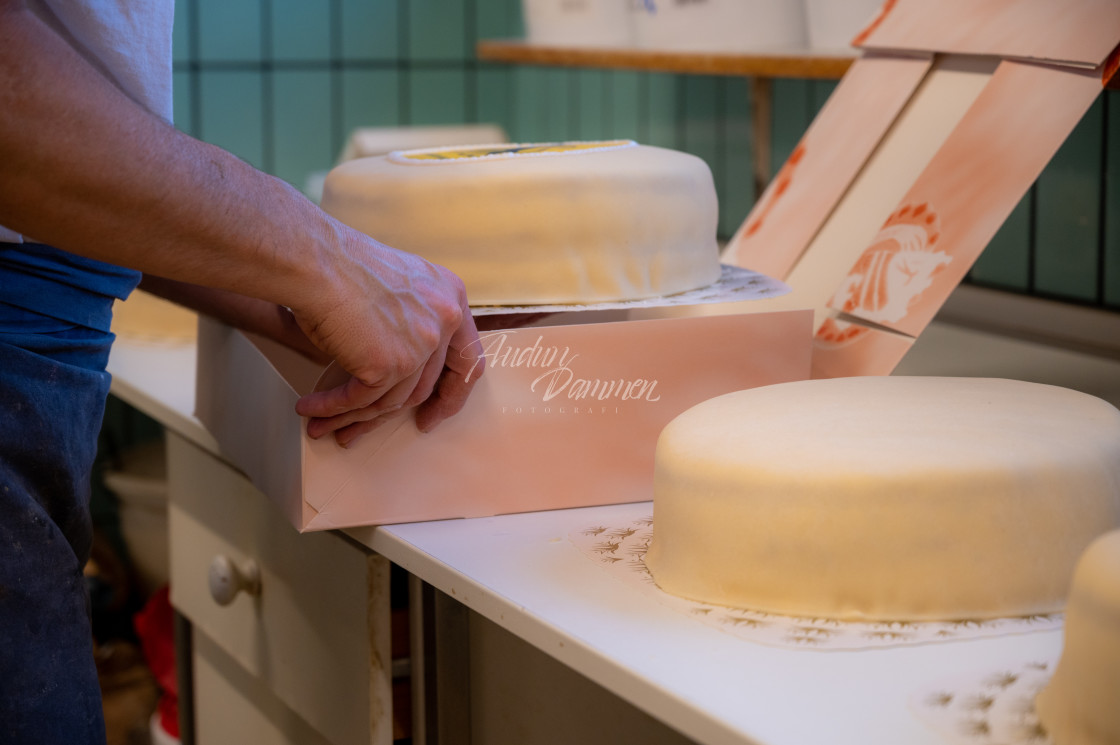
x: 158, y: 379
x: 523, y: 573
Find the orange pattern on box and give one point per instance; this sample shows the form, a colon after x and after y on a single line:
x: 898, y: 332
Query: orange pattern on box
x: 1111, y: 66
x: 781, y: 184
x: 836, y: 333
x: 862, y: 36
x: 899, y: 265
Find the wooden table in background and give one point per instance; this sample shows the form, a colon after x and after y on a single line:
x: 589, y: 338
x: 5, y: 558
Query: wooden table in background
x: 760, y: 67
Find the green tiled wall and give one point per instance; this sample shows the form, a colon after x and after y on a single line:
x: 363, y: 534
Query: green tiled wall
x: 281, y: 83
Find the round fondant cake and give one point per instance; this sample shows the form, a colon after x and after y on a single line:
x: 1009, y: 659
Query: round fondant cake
x: 577, y: 222
x: 885, y: 498
x: 1081, y: 704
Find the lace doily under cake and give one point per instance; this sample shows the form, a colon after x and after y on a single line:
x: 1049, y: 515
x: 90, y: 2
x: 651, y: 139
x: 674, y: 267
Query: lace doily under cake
x: 620, y: 550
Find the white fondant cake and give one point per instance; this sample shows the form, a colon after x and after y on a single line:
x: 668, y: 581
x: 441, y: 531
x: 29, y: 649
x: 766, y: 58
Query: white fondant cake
x: 1081, y: 703
x: 892, y: 498
x: 536, y: 224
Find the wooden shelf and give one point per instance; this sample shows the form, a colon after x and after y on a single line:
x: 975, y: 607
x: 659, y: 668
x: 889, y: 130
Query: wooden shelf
x: 794, y: 64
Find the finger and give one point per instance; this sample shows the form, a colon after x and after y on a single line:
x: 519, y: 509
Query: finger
x: 319, y: 427
x: 462, y: 368
x: 464, y: 352
x: 393, y: 400
x: 422, y: 390
x: 406, y: 394
x: 348, y: 395
x: 447, y: 402
x: 426, y: 385
x: 398, y: 396
x: 348, y: 435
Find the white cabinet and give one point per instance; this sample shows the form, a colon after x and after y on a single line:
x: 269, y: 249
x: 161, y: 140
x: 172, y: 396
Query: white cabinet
x: 304, y: 660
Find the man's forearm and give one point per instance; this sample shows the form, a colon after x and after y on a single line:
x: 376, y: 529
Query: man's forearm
x: 85, y: 168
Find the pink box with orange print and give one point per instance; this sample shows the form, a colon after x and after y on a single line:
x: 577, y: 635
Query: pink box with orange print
x: 564, y: 416
x: 924, y: 149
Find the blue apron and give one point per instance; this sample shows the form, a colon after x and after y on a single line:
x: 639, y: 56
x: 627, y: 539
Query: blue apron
x: 55, y: 310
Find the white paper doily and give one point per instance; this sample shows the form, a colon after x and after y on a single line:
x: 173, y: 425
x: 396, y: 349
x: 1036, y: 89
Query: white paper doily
x: 992, y: 707
x: 620, y: 550
x: 734, y: 284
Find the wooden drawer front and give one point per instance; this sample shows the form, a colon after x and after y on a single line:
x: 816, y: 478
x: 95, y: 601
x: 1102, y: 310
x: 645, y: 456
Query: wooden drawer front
x: 317, y: 634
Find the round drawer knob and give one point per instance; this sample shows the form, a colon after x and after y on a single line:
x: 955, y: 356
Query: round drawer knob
x: 227, y: 579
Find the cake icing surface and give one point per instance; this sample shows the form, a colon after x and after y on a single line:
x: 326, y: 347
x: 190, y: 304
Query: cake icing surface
x: 885, y: 498
x: 1081, y: 704
x: 524, y: 224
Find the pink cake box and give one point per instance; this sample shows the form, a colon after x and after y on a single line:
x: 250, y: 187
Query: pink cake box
x: 564, y: 416
x: 874, y: 236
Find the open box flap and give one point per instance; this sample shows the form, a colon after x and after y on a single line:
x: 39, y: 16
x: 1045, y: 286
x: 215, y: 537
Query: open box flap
x: 235, y: 390
x: 949, y: 86
x: 966, y: 192
x: 880, y: 242
x: 1078, y: 33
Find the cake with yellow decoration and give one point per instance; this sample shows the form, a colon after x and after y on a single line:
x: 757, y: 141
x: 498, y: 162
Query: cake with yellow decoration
x: 885, y: 498
x: 550, y: 223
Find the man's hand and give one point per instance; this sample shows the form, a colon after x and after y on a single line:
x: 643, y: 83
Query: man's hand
x: 401, y: 334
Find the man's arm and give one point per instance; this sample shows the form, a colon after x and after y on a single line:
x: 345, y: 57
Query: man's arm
x: 86, y: 169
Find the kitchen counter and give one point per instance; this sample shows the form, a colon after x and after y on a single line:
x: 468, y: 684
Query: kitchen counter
x: 527, y: 603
